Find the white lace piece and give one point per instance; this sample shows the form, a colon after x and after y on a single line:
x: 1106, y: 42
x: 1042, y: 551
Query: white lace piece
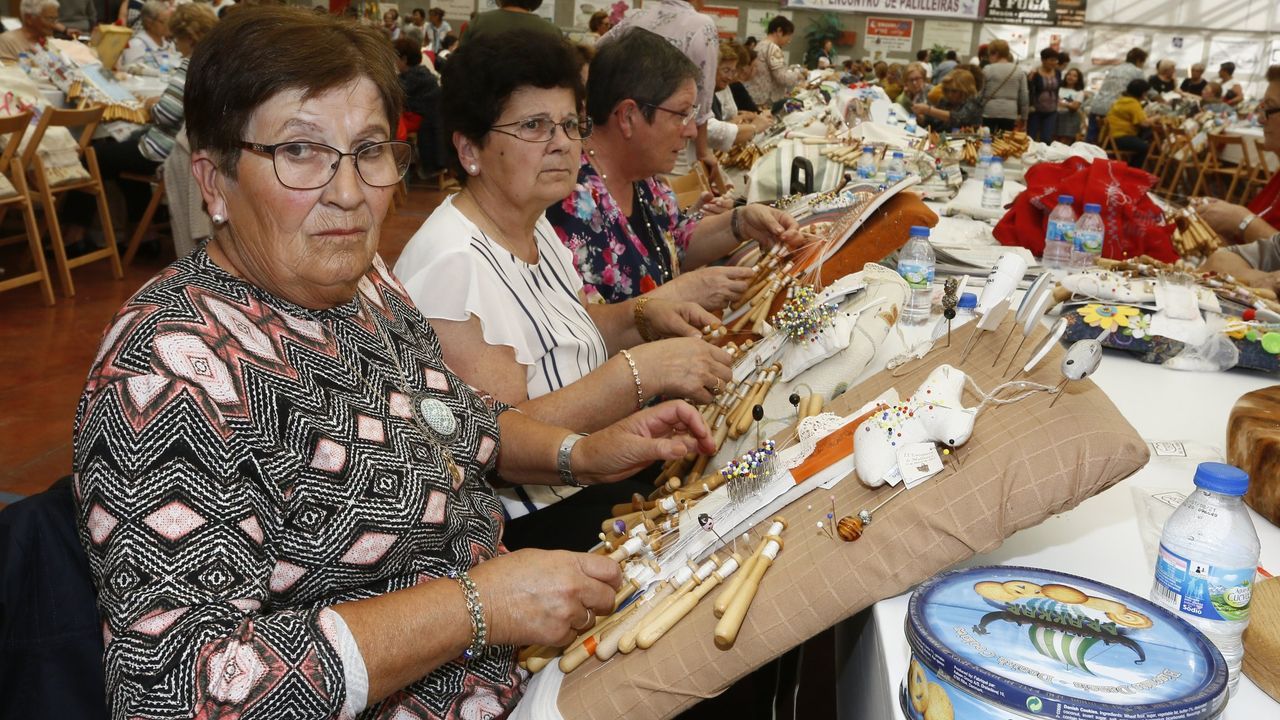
x: 811, y: 430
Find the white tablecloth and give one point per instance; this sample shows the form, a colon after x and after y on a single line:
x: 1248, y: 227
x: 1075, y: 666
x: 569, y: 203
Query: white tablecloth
x: 1099, y: 539
x: 1253, y: 147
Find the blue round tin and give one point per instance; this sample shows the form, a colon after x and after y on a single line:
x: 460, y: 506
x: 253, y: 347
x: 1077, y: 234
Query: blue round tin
x: 1006, y: 642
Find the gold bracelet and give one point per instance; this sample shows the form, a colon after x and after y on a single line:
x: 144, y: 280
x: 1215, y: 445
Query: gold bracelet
x: 635, y: 375
x: 642, y: 324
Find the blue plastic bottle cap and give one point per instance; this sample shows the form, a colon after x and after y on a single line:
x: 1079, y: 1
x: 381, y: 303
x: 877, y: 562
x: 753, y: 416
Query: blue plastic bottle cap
x: 897, y: 155
x: 919, y: 231
x: 995, y: 159
x: 1092, y: 207
x: 968, y: 301
x: 1066, y: 200
x: 868, y: 149
x: 1221, y: 478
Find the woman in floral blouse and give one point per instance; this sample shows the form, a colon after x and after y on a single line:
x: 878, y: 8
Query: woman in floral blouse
x: 621, y: 221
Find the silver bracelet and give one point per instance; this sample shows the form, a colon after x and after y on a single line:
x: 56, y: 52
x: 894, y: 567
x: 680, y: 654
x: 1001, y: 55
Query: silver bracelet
x: 563, y: 456
x: 475, y: 608
x: 635, y: 375
x: 735, y: 224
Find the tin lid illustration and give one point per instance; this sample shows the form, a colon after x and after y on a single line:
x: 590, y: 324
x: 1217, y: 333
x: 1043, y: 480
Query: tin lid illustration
x: 1063, y: 646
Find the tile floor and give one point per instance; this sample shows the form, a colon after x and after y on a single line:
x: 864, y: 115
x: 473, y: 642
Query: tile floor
x: 45, y: 352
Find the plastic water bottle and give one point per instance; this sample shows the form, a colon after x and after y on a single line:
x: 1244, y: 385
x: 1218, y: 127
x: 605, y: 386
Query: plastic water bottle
x: 911, y: 124
x: 967, y: 307
x: 915, y: 265
x: 897, y: 168
x: 1208, y: 555
x: 1090, y: 234
x: 984, y: 156
x: 867, y: 163
x: 1059, y: 238
x: 993, y: 185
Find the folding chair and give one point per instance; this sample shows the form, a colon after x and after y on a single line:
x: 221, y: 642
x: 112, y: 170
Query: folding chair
x: 1215, y: 167
x: 1108, y: 143
x: 689, y: 187
x: 157, y: 194
x: 13, y: 128
x: 1182, y: 157
x: 87, y: 120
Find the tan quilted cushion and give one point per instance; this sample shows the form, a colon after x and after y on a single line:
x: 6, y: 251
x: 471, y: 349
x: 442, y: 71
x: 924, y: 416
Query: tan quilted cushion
x: 1024, y: 463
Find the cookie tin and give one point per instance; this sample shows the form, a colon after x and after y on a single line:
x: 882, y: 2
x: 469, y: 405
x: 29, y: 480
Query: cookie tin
x: 1005, y: 642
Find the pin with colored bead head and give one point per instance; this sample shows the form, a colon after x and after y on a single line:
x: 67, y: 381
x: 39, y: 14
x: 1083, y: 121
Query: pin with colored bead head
x: 794, y: 399
x: 851, y: 527
x: 949, y: 301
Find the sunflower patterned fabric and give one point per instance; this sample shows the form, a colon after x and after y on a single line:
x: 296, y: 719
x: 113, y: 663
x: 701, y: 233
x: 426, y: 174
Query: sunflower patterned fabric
x: 242, y: 465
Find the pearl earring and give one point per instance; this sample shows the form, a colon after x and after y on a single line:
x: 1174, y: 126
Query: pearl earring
x: 219, y: 219
x: 473, y: 169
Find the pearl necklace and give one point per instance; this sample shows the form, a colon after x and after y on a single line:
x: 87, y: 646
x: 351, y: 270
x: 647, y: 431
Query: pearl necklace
x: 591, y: 153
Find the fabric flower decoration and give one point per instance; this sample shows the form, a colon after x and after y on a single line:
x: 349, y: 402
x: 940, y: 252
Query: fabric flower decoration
x: 1108, y: 317
x: 1139, y: 326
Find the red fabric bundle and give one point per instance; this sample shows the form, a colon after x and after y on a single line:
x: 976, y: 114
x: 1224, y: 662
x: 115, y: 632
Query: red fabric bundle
x: 1134, y: 224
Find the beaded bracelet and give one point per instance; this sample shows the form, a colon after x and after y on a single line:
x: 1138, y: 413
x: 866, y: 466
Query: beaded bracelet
x: 642, y: 323
x: 479, y: 629
x: 635, y: 375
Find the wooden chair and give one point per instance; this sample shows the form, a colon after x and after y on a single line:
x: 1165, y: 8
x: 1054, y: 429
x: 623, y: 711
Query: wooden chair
x: 1185, y: 163
x: 157, y: 194
x: 1108, y: 143
x: 87, y: 120
x: 1155, y: 156
x: 689, y: 187
x: 1215, y: 168
x: 1261, y: 171
x: 11, y: 167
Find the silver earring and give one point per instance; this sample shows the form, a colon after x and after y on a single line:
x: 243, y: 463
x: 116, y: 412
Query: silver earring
x: 473, y: 169
x: 219, y: 219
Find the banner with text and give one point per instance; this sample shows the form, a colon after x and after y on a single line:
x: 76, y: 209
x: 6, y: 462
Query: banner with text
x: 889, y: 35
x: 1062, y: 13
x: 968, y: 9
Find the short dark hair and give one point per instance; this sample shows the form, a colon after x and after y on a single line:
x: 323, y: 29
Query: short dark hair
x: 436, y: 11
x: 1049, y: 53
x: 640, y: 65
x: 409, y: 51
x: 529, y: 5
x: 1230, y: 67
x: 951, y: 55
x: 922, y: 55
x: 1064, y: 58
x: 751, y: 40
x: 1137, y: 88
x: 418, y: 11
x: 1273, y: 73
x: 598, y: 18
x: 289, y: 48
x: 780, y: 23
x: 448, y: 41
x: 1136, y: 56
x: 483, y: 72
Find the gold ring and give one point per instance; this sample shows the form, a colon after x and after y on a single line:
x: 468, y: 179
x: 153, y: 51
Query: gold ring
x: 591, y: 619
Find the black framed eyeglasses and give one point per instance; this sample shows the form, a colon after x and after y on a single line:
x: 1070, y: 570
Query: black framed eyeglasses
x: 312, y: 165
x: 541, y: 129
x: 1269, y: 111
x: 686, y: 117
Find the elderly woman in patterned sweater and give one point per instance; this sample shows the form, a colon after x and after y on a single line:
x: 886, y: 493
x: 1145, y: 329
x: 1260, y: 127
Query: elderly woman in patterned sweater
x: 280, y: 485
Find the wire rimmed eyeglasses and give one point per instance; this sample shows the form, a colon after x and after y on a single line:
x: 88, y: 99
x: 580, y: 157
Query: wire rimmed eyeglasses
x: 312, y: 165
x: 541, y: 129
x: 686, y: 117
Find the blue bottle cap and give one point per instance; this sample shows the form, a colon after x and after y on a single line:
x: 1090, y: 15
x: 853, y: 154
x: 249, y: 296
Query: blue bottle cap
x: 986, y: 140
x: 1221, y: 478
x: 868, y: 149
x: 1066, y: 200
x: 1092, y: 207
x: 919, y: 231
x: 968, y: 301
x: 995, y: 160
x: 897, y: 154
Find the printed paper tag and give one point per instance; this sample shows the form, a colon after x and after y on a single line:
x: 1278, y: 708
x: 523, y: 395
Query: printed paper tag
x: 918, y: 462
x: 1168, y: 449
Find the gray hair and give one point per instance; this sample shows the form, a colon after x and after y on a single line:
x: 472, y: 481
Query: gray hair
x: 639, y: 65
x: 153, y: 10
x: 1166, y: 63
x: 1198, y: 66
x: 33, y: 7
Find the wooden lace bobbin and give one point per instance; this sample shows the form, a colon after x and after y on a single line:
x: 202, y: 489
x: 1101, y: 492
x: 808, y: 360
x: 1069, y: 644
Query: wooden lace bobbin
x: 626, y: 639
x: 585, y: 646
x: 731, y: 588
x: 635, y: 518
x: 630, y: 548
x: 814, y: 405
x: 608, y: 641
x: 742, y: 402
x: 757, y: 397
x: 691, y: 582
x: 731, y: 622
x: 721, y: 432
x: 536, y: 657
x: 683, y: 605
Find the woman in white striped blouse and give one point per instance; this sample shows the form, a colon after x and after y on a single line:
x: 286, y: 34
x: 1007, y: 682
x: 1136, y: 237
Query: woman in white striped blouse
x: 503, y: 292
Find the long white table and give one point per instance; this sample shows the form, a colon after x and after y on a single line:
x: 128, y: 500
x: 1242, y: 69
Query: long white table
x: 1101, y: 538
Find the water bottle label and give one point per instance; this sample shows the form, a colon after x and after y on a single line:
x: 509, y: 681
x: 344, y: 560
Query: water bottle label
x: 1203, y: 590
x: 894, y: 175
x: 866, y: 171
x: 919, y: 277
x: 1089, y: 241
x: 1061, y: 231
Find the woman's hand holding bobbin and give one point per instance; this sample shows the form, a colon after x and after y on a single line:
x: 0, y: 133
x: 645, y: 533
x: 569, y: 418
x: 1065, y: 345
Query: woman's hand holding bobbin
x: 768, y: 226
x: 676, y: 318
x: 689, y: 368
x: 544, y: 597
x: 664, y: 432
x: 713, y: 287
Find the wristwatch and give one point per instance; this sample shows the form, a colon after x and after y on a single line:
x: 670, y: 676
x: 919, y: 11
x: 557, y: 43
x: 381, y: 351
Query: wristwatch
x: 1246, y: 222
x: 562, y: 459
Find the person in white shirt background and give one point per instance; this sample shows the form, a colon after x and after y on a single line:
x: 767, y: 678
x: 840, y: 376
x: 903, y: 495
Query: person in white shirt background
x: 436, y: 29
x: 150, y: 44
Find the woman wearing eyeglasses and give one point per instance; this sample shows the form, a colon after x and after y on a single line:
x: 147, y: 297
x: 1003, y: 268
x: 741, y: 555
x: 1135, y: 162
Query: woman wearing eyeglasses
x: 621, y: 220
x: 281, y: 486
x: 504, y: 296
